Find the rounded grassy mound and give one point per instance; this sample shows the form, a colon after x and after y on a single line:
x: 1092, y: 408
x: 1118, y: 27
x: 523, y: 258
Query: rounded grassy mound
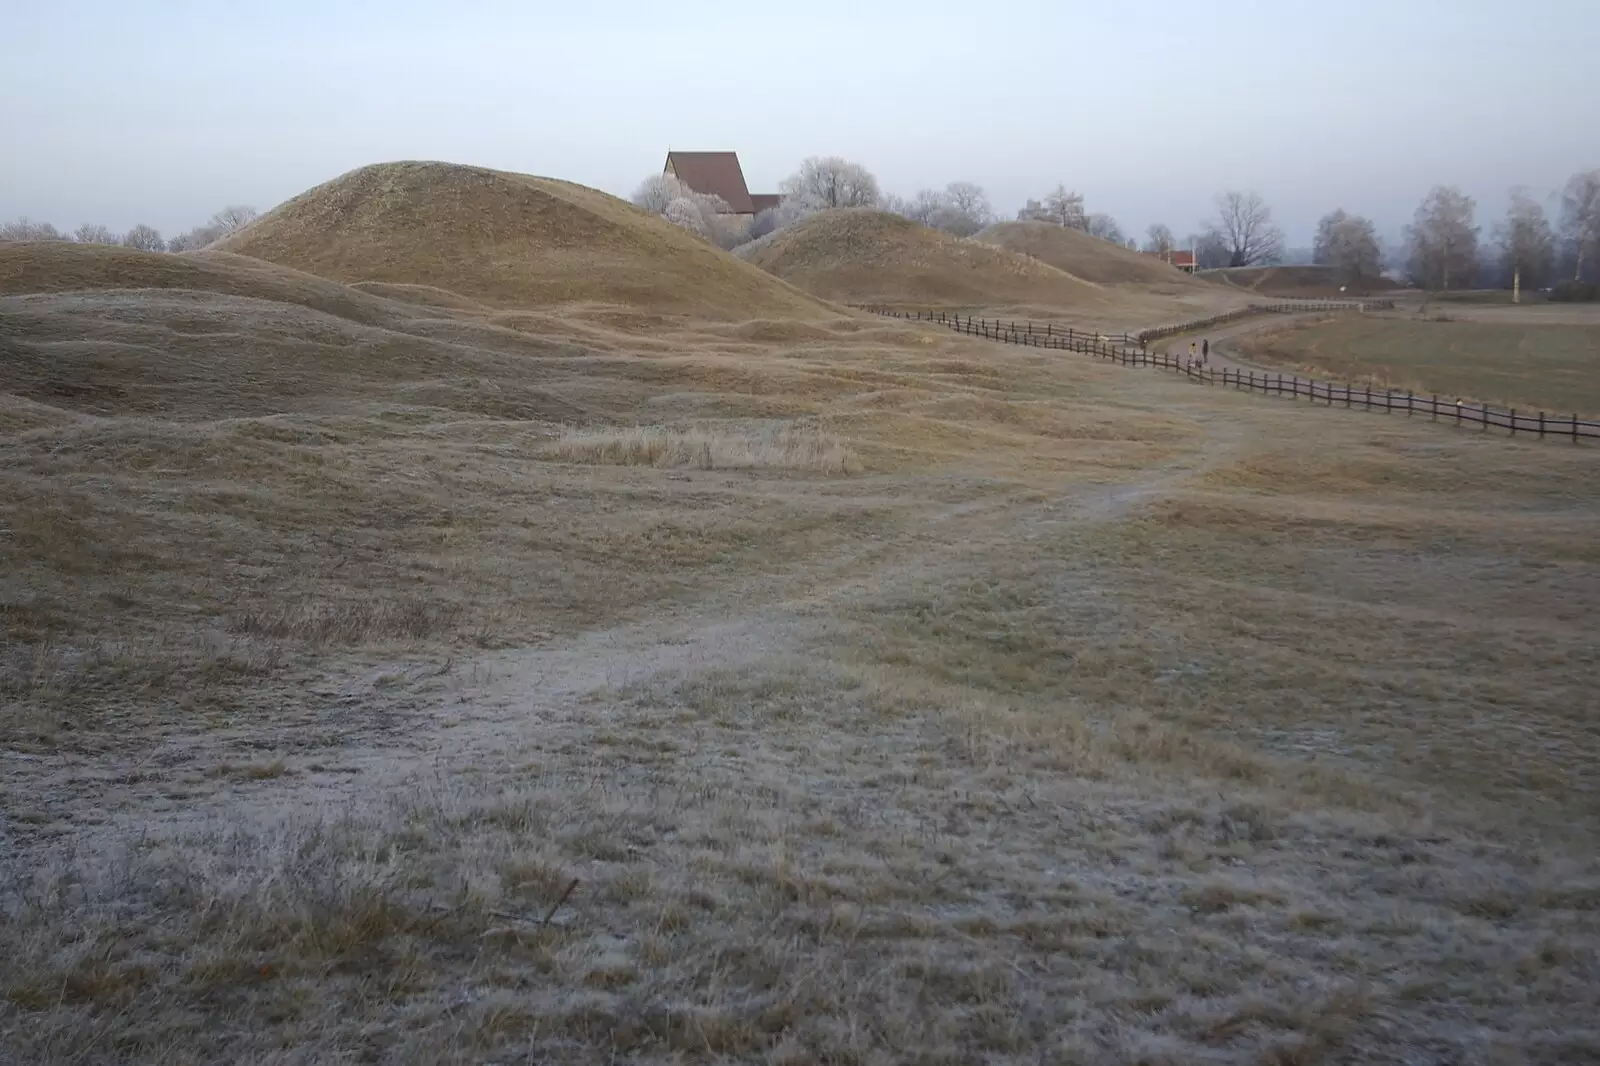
x: 509, y: 241
x: 36, y: 267
x: 1084, y: 256
x: 866, y: 256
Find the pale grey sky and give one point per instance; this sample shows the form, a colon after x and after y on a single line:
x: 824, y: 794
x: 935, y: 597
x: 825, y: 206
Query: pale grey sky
x: 162, y: 111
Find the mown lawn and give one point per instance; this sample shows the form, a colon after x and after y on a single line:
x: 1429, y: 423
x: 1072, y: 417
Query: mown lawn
x: 1550, y: 367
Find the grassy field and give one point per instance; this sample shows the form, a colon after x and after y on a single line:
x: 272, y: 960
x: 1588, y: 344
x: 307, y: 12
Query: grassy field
x: 406, y: 681
x: 1528, y: 364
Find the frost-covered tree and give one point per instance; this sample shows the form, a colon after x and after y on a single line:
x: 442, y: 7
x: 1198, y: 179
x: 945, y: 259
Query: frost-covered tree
x: 1105, y: 227
x: 825, y: 182
x: 25, y: 229
x: 144, y: 238
x: 93, y: 233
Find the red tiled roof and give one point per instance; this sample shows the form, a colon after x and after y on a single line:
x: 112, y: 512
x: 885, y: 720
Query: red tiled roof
x: 1180, y: 259
x: 715, y: 174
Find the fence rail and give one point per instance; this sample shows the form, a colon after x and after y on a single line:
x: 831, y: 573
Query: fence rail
x: 1120, y: 348
x: 1288, y: 307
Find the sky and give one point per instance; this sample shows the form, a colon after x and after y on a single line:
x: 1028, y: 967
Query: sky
x: 163, y: 111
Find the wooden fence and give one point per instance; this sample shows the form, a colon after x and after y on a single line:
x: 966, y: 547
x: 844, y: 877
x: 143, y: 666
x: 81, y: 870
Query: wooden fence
x: 1119, y: 348
x: 1290, y: 307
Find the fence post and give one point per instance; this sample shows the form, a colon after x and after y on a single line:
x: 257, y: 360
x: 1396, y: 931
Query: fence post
x: 1409, y: 403
x: 1513, y: 421
x: 1369, y: 397
x: 1436, y: 407
x: 1574, y: 427
x: 1541, y: 425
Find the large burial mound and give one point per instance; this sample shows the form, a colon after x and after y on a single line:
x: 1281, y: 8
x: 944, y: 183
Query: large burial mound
x: 864, y: 256
x: 510, y: 241
x: 1297, y: 282
x: 1086, y: 257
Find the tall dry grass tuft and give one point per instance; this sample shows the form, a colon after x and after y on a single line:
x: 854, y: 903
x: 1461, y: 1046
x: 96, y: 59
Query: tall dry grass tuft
x: 785, y: 446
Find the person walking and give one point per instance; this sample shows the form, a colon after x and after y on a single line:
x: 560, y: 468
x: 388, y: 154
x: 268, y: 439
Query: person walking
x: 1205, y: 350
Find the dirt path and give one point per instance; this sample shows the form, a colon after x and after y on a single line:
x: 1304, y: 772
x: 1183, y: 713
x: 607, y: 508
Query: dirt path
x: 399, y: 722
x: 1224, y: 355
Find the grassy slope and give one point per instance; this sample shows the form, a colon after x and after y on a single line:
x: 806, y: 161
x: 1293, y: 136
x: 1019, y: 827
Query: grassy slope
x: 996, y: 706
x: 1086, y: 257
x: 866, y: 256
x: 1532, y: 366
x: 509, y: 240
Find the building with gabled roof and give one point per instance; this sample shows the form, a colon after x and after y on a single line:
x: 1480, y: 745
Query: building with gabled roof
x: 718, y: 174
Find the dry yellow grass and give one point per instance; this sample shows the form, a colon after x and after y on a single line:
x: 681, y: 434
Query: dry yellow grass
x: 365, y: 695
x: 784, y: 446
x: 509, y: 240
x: 865, y: 256
x: 1089, y: 258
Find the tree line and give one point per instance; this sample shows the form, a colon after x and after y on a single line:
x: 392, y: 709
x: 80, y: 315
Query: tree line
x: 145, y: 238
x: 1442, y: 247
x: 1444, y: 250
x: 1241, y: 234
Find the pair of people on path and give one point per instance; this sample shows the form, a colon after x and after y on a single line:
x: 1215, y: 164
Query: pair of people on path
x: 1205, y: 353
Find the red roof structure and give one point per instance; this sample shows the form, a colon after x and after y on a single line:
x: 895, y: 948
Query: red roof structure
x: 712, y: 174
x: 718, y: 174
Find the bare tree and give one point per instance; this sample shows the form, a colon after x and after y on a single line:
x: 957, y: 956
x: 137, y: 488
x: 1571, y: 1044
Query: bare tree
x: 926, y: 207
x: 968, y: 209
x: 1322, y: 246
x: 145, y: 239
x: 1210, y: 250
x: 895, y: 204
x: 686, y: 213
x: 188, y: 242
x: 1580, y: 219
x: 787, y: 213
x: 233, y: 218
x: 24, y: 229
x: 195, y: 239
x: 228, y: 220
x: 1105, y: 227
x: 1525, y: 241
x: 1158, y: 239
x: 1442, y: 242
x: 824, y: 182
x: 1349, y: 244
x: 1033, y: 211
x: 1244, y: 223
x: 657, y: 191
x: 93, y: 233
x: 1065, y: 208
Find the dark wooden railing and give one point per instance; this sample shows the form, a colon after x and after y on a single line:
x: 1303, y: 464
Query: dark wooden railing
x: 1129, y: 349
